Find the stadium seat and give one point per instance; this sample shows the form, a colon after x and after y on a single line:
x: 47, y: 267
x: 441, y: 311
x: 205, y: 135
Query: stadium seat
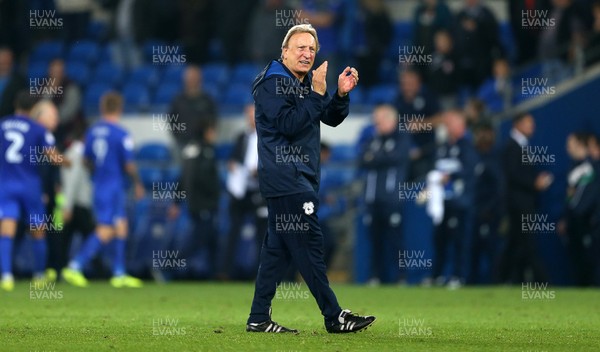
x: 388, y: 72
x: 147, y: 75
x: 106, y: 54
x: 357, y: 96
x: 244, y: 74
x: 78, y: 72
x: 173, y: 75
x: 223, y: 151
x: 84, y: 51
x: 98, y: 31
x: 165, y: 93
x: 108, y: 73
x: 136, y: 97
x: 153, y: 152
x: 237, y: 94
x: 47, y: 51
x: 217, y: 74
x: 150, y: 175
x: 343, y: 153
x: 381, y: 94
x: 213, y: 90
x: 37, y: 70
x: 172, y: 174
x: 148, y: 48
x: 92, y: 95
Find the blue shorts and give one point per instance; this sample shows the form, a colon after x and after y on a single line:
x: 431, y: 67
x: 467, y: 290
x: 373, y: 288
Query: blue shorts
x: 109, y: 205
x: 22, y: 202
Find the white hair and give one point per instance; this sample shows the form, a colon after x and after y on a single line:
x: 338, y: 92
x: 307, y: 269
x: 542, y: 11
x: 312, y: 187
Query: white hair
x: 300, y: 28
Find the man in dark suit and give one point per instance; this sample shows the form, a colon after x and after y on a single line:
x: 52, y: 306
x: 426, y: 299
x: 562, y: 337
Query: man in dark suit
x: 10, y: 82
x: 245, y: 197
x: 523, y: 183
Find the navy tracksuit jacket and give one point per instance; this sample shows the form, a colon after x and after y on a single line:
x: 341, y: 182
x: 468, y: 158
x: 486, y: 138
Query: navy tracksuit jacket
x: 288, y: 115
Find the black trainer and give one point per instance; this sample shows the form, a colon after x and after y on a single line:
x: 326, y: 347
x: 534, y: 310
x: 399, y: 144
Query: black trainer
x: 349, y: 322
x: 268, y: 326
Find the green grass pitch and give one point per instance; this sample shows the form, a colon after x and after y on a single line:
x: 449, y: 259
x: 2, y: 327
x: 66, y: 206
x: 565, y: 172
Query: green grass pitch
x: 211, y: 317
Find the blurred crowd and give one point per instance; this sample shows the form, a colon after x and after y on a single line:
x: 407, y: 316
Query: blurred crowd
x: 436, y: 136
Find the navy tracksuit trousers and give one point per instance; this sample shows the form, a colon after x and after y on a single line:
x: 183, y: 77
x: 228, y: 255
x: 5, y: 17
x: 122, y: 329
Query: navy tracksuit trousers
x: 294, y: 235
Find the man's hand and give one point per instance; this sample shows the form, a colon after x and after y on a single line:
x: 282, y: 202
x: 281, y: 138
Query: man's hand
x: 347, y: 80
x: 319, y: 83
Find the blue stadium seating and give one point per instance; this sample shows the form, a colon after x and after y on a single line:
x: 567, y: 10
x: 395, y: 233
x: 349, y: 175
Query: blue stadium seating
x: 37, y: 70
x: 84, y: 51
x: 173, y: 75
x: 379, y: 94
x: 165, y: 93
x: 213, y: 90
x: 136, y: 97
x: 98, y: 31
x: 147, y: 75
x: 357, y: 96
x: 78, y: 72
x: 343, y: 153
x: 216, y: 74
x: 108, y: 73
x: 153, y: 152
x: 47, y: 51
x: 149, y: 46
x: 105, y: 54
x: 172, y: 174
x: 244, y: 74
x: 237, y: 94
x: 149, y: 175
x: 91, y: 98
x: 223, y: 151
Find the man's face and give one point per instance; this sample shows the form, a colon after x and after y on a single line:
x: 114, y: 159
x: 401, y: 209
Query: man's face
x: 6, y: 62
x: 384, y: 120
x: 49, y: 117
x: 192, y: 79
x: 57, y: 70
x: 409, y: 84
x: 575, y: 149
x: 300, y: 53
x: 526, y: 126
